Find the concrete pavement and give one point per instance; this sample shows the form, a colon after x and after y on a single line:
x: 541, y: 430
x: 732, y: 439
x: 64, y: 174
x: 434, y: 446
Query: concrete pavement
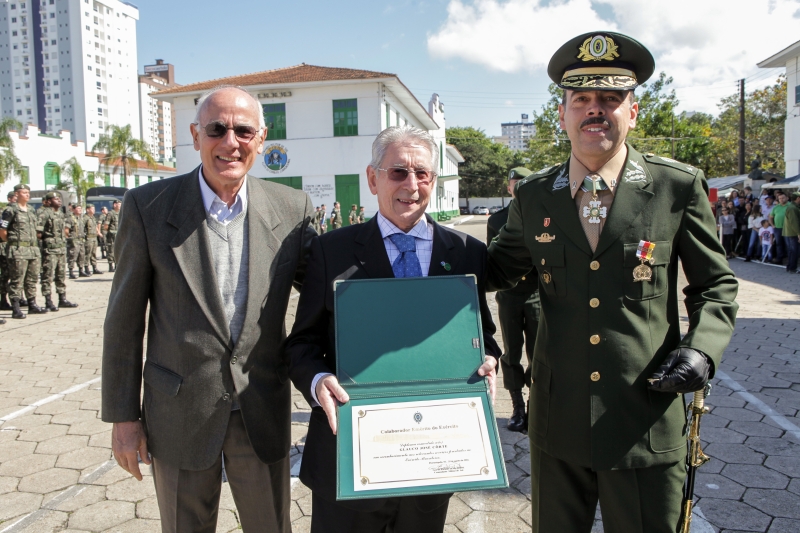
x: 56, y: 471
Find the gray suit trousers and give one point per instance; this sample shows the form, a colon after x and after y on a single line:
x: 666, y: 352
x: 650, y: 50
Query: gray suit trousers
x: 188, y: 500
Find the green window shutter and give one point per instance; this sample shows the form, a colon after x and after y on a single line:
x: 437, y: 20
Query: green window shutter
x: 347, y: 194
x: 135, y: 181
x: 295, y: 182
x: 107, y: 180
x: 441, y: 156
x: 275, y: 119
x: 149, y: 179
x: 345, y: 117
x: 388, y: 115
x: 51, y: 174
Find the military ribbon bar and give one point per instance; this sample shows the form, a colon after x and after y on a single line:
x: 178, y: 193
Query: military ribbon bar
x: 645, y: 251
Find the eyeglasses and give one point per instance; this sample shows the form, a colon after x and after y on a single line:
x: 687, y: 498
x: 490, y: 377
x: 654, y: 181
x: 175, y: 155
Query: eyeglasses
x: 217, y: 129
x: 400, y: 174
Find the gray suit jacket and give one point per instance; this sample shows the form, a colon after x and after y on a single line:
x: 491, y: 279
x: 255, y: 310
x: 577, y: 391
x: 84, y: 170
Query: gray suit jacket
x: 193, y: 368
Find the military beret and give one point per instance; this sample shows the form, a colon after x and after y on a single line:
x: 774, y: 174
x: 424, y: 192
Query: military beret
x: 50, y: 195
x: 19, y: 186
x: 518, y: 173
x: 601, y: 61
x: 11, y: 194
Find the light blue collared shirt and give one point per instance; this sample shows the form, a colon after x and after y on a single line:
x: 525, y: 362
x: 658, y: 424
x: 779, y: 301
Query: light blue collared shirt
x: 216, y: 207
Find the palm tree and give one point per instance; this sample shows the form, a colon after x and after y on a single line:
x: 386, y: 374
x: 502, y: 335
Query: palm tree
x: 120, y: 146
x: 81, y: 181
x: 9, y: 163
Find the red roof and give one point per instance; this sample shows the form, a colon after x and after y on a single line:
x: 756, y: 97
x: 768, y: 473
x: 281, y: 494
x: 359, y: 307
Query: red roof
x: 301, y: 73
x: 139, y: 164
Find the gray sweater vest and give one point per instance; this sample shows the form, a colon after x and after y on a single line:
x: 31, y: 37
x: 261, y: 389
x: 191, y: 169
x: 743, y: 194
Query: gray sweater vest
x: 230, y: 248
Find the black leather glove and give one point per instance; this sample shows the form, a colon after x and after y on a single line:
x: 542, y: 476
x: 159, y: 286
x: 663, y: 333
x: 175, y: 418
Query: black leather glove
x: 683, y: 371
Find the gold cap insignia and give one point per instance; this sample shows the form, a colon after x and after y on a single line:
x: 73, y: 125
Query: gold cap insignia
x: 598, y: 48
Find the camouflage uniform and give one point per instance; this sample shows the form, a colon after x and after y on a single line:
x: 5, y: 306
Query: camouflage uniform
x: 54, y: 250
x: 22, y: 251
x: 336, y: 218
x: 4, y: 272
x: 75, y: 243
x: 90, y: 246
x: 353, y: 217
x: 110, y: 225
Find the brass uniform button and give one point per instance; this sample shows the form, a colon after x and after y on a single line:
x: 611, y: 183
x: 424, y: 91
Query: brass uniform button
x: 523, y: 278
x: 543, y: 261
x: 546, y: 277
x: 594, y: 265
x: 595, y: 376
x: 594, y: 339
x: 594, y: 302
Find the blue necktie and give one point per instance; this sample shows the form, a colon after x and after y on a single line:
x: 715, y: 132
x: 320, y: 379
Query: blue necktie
x: 407, y: 263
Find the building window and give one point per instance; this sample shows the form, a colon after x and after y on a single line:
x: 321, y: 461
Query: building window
x: 51, y: 174
x: 275, y: 119
x: 135, y: 181
x: 106, y: 178
x: 345, y: 117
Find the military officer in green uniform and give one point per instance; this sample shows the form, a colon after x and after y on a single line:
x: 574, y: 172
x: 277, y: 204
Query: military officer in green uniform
x: 605, y: 231
x: 110, y: 226
x: 92, y: 233
x: 54, y: 249
x: 518, y: 311
x: 362, y: 217
x: 20, y: 229
x: 101, y: 241
x: 336, y: 216
x: 353, y: 216
x: 4, y: 274
x: 76, y: 242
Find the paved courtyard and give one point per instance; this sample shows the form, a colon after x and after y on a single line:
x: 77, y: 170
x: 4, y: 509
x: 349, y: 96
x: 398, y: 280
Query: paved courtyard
x: 57, y: 474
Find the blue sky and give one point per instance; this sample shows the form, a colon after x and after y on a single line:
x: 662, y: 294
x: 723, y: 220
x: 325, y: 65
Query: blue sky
x: 485, y: 58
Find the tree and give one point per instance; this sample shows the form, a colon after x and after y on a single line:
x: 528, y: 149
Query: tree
x: 80, y: 181
x: 120, y: 146
x: 486, y: 165
x: 9, y: 163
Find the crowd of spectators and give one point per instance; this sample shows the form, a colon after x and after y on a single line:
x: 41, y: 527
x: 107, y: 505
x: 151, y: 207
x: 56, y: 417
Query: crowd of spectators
x: 764, y: 228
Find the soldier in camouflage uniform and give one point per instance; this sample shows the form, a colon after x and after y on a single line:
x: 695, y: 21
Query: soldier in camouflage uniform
x: 4, y: 274
x: 353, y: 217
x: 110, y: 227
x: 323, y: 226
x: 54, y: 249
x: 315, y: 221
x: 76, y: 242
x: 19, y: 228
x: 362, y: 217
x: 336, y: 216
x: 92, y: 232
x: 101, y: 240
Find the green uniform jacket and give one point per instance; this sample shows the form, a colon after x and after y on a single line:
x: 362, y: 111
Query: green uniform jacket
x: 89, y: 227
x: 791, y: 224
x: 112, y: 220
x: 52, y: 223
x: 22, y: 226
x: 590, y: 403
x: 529, y: 283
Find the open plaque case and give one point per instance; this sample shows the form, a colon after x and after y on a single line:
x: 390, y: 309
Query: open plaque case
x: 420, y: 419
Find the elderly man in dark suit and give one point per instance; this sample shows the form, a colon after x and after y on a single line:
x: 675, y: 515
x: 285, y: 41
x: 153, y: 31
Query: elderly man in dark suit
x: 214, y: 253
x: 401, y: 241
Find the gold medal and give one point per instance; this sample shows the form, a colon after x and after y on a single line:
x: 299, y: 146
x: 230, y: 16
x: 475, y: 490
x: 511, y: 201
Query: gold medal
x: 546, y: 277
x: 642, y: 272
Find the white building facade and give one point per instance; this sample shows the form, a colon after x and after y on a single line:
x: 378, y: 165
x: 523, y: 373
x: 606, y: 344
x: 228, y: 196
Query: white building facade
x: 515, y: 135
x: 322, y: 123
x: 69, y: 64
x: 789, y: 58
x: 156, y: 120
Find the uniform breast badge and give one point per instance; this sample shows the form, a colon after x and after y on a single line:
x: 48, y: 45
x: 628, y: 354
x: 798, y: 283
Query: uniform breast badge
x: 644, y: 252
x: 545, y: 237
x: 594, y: 211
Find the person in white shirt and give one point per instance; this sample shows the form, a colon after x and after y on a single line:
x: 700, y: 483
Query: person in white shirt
x: 754, y: 225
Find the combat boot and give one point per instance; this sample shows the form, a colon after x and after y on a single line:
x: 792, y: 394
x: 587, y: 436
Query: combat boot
x: 16, y: 311
x: 63, y: 302
x: 96, y: 270
x: 519, y: 420
x: 111, y: 267
x: 49, y: 305
x: 2, y: 321
x: 72, y: 274
x: 23, y: 302
x: 4, y: 305
x: 83, y: 272
x: 34, y: 309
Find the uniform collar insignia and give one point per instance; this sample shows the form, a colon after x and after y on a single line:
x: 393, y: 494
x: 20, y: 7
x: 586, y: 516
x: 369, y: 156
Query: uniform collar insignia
x: 562, y: 180
x: 635, y: 173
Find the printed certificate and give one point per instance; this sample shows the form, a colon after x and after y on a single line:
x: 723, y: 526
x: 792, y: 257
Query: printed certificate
x: 418, y: 444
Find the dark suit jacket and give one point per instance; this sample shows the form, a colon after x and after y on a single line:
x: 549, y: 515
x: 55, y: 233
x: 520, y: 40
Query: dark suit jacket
x: 193, y: 367
x: 358, y: 252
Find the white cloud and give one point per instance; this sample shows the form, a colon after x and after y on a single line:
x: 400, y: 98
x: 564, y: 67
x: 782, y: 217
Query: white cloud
x: 700, y: 43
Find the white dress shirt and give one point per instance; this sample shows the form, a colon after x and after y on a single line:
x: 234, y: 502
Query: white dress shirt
x: 423, y: 234
x: 218, y: 209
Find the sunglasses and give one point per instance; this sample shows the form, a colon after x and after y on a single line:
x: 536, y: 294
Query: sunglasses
x: 217, y: 130
x: 400, y: 174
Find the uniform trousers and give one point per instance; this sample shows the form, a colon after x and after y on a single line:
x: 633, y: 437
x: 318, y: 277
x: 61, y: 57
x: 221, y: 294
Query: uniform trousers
x: 90, y: 253
x: 54, y: 270
x: 188, y: 500
x: 398, y: 515
x: 564, y: 497
x: 110, y: 238
x: 75, y: 253
x: 23, y: 274
x: 519, y: 321
x: 791, y: 252
x: 4, y: 274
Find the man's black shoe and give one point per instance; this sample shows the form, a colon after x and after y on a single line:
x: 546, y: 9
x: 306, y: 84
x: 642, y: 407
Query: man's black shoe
x: 63, y: 302
x: 72, y: 274
x: 49, y: 305
x: 519, y: 420
x: 96, y: 270
x: 16, y: 311
x: 34, y: 309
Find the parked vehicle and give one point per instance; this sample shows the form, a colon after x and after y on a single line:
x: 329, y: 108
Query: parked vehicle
x: 464, y: 210
x: 480, y: 210
x: 495, y: 208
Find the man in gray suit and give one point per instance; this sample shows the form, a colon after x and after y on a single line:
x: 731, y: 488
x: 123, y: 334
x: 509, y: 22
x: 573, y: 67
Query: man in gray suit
x: 214, y: 253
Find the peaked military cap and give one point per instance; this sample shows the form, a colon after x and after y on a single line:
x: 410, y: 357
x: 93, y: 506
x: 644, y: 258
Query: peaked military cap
x: 518, y: 173
x: 11, y: 193
x: 601, y: 60
x: 19, y: 186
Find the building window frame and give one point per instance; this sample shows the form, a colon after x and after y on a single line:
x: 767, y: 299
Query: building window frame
x: 275, y: 119
x: 345, y: 117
